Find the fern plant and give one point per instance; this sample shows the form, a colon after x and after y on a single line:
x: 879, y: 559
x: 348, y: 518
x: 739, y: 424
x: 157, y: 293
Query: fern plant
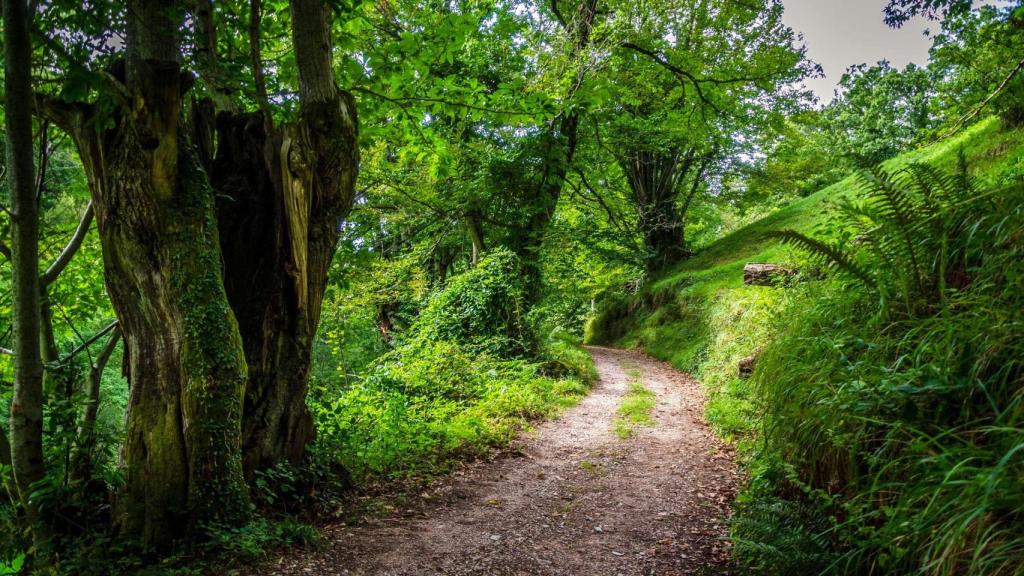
x: 909, y: 224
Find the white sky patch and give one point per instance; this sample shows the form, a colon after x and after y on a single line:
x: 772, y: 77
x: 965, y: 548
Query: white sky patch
x: 841, y: 33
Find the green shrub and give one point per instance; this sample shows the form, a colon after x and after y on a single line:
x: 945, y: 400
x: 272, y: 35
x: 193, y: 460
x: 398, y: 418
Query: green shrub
x: 12, y: 542
x: 457, y: 384
x: 565, y: 358
x: 480, y: 309
x: 249, y: 543
x: 428, y: 403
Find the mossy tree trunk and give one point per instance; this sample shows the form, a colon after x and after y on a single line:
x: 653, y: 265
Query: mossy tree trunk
x: 218, y: 300
x: 156, y: 218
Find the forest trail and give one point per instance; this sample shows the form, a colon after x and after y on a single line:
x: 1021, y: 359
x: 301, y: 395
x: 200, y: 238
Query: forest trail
x: 573, y: 498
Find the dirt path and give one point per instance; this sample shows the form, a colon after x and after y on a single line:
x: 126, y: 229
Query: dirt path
x: 571, y: 499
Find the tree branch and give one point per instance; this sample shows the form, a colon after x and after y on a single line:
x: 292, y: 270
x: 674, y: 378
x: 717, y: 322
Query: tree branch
x: 311, y: 36
x: 62, y: 114
x: 680, y: 73
x: 205, y: 49
x: 558, y: 14
x: 89, y: 342
x: 404, y: 99
x: 256, y: 58
x: 69, y: 251
x: 974, y: 113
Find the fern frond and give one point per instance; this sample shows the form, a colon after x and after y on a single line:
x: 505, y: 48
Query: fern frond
x: 948, y: 189
x: 928, y: 186
x: 833, y: 255
x: 898, y: 214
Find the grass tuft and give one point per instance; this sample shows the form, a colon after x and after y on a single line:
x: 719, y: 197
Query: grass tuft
x: 634, y: 410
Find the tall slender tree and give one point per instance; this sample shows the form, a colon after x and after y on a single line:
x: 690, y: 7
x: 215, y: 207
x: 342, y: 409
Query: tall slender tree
x: 558, y: 145
x: 27, y: 406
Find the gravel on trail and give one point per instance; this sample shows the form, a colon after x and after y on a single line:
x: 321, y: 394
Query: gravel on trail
x: 571, y: 498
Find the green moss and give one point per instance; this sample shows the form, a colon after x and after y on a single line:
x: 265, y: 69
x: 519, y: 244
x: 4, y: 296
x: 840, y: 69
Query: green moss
x: 211, y: 355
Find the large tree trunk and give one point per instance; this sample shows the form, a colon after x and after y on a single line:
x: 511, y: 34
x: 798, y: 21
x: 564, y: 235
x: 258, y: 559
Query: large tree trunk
x: 283, y: 192
x: 664, y: 240
x: 186, y: 367
x: 184, y: 358
x: 27, y: 405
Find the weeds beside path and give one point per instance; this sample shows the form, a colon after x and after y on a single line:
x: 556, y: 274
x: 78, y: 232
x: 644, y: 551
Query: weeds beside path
x: 572, y: 499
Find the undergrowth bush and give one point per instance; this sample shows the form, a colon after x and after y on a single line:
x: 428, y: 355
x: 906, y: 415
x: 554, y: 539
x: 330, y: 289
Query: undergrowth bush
x: 893, y: 436
x: 464, y: 379
x: 427, y: 403
x: 480, y: 309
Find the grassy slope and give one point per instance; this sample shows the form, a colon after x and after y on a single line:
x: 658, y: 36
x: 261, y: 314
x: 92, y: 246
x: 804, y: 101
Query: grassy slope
x: 700, y: 317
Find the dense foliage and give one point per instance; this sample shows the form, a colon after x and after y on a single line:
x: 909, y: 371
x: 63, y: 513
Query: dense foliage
x: 295, y: 251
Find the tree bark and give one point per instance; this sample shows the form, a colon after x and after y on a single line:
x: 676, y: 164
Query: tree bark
x: 205, y: 50
x: 283, y: 192
x: 26, y: 419
x: 444, y: 258
x: 185, y: 361
x: 255, y: 56
x: 155, y: 214
x: 476, y: 235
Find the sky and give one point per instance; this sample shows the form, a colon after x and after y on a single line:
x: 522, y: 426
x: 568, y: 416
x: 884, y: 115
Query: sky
x: 839, y: 33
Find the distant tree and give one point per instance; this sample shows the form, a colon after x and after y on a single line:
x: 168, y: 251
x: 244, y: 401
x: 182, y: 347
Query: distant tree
x: 879, y: 110
x: 686, y: 88
x: 799, y: 158
x: 978, y: 59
